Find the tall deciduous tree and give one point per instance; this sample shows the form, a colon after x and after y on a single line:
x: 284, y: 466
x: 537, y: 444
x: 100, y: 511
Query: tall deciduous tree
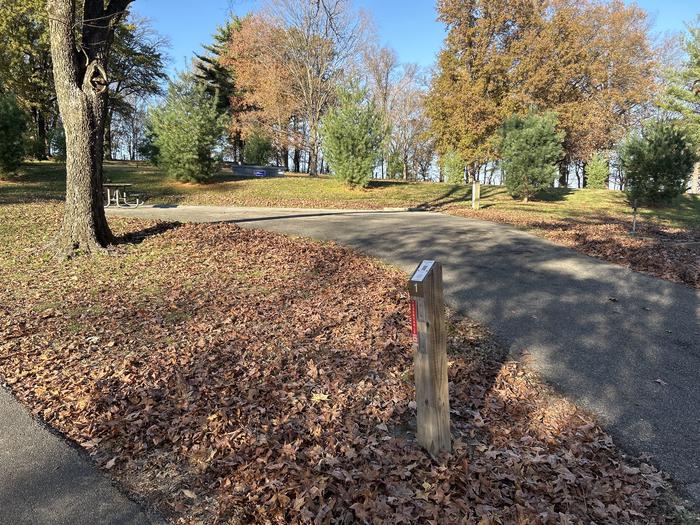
x: 321, y: 39
x: 410, y: 138
x: 25, y: 65
x: 470, y: 95
x: 81, y: 35
x: 264, y: 103
x: 300, y: 51
x: 136, y: 71
x: 569, y: 56
x: 398, y: 90
x: 382, y: 66
x: 577, y: 62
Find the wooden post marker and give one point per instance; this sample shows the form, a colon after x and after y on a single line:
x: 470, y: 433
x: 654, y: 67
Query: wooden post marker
x: 476, y: 195
x: 430, y: 358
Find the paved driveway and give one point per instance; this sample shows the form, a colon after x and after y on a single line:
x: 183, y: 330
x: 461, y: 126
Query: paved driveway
x: 46, y: 481
x: 624, y: 345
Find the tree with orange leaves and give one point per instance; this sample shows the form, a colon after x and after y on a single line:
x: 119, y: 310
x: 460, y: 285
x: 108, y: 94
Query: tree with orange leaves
x: 264, y: 105
x: 590, y: 62
x: 288, y: 61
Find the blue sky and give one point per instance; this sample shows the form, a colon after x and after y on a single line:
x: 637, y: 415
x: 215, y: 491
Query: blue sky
x: 409, y: 26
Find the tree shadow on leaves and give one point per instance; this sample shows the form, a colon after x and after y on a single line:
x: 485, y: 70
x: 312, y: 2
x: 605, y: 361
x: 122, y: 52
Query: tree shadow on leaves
x: 599, y: 333
x: 137, y: 237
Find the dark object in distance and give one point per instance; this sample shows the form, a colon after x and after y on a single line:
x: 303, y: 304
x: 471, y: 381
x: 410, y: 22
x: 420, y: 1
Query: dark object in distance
x: 257, y: 171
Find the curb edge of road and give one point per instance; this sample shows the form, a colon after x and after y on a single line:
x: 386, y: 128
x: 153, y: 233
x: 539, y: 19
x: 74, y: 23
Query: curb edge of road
x: 151, y: 514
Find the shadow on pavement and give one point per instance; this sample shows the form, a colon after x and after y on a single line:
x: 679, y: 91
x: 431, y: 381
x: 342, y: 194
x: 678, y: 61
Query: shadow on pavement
x: 621, y: 344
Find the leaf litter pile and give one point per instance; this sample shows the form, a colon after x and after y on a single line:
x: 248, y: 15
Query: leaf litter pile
x: 662, y: 251
x: 226, y: 375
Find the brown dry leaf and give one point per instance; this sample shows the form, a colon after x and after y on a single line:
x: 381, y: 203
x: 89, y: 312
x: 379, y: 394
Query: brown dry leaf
x: 662, y: 251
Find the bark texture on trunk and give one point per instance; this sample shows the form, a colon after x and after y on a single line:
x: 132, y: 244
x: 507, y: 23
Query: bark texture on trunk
x: 297, y: 160
x: 79, y: 65
x: 108, y: 135
x: 285, y: 158
x: 564, y: 174
x: 41, y: 151
x: 695, y: 180
x: 313, y: 149
x: 313, y: 161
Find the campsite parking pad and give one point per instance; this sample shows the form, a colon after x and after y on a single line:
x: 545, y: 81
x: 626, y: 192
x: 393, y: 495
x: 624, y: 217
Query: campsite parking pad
x: 618, y: 343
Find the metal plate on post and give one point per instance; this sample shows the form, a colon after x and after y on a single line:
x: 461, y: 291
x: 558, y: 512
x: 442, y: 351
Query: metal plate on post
x: 422, y: 271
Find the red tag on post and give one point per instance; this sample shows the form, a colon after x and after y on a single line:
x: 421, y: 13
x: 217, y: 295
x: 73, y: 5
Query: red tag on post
x: 414, y: 321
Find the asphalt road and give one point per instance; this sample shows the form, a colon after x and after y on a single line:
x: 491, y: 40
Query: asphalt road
x: 619, y: 343
x: 44, y: 480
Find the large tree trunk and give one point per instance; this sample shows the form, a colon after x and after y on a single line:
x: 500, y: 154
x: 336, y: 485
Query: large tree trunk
x: 695, y: 180
x: 285, y: 158
x: 108, y: 154
x: 564, y: 174
x: 81, y: 89
x: 313, y: 160
x: 40, y: 146
x: 313, y: 149
x: 297, y: 160
x: 42, y: 151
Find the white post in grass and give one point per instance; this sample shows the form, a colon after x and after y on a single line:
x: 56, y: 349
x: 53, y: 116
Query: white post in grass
x: 476, y: 194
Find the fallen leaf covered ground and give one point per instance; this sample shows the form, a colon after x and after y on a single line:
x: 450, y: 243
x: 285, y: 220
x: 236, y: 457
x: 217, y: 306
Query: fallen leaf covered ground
x: 226, y: 375
x: 657, y: 249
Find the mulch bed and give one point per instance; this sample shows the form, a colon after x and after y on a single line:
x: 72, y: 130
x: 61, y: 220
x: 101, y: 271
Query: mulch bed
x: 227, y: 375
x: 661, y: 251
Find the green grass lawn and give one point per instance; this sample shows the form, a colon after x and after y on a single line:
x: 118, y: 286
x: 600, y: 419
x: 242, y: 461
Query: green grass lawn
x: 46, y: 180
x: 559, y: 203
x: 41, y: 180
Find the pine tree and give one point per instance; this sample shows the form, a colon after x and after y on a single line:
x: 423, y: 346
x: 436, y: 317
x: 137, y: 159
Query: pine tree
x: 597, y: 172
x: 258, y: 149
x: 353, y: 134
x: 657, y: 163
x: 187, y: 131
x: 453, y: 167
x: 530, y: 148
x: 210, y: 71
x: 683, y: 94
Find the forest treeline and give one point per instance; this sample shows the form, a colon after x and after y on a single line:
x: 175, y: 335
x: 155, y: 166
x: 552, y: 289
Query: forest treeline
x: 262, y: 90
